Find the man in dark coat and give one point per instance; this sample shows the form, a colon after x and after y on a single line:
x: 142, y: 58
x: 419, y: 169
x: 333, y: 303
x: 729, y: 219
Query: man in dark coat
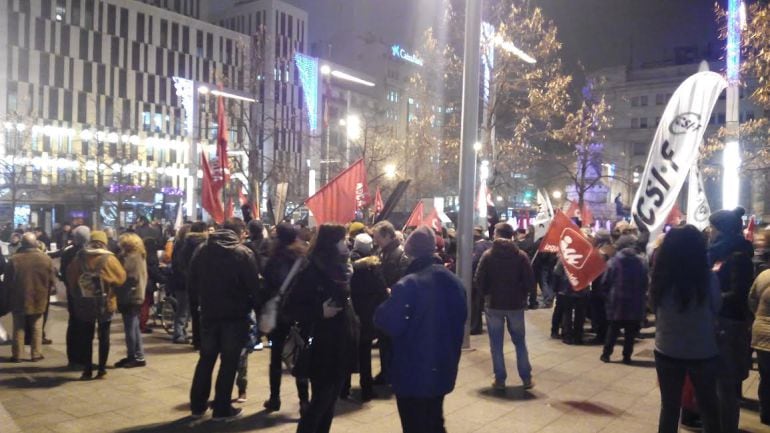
x: 505, y: 277
x: 425, y: 318
x: 480, y: 245
x: 626, y: 281
x: 197, y: 236
x: 224, y: 274
x: 730, y: 256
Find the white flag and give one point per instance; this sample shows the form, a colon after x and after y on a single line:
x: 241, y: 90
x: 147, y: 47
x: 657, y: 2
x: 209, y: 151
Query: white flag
x: 675, y: 148
x: 544, y: 215
x: 178, y: 221
x: 698, y: 210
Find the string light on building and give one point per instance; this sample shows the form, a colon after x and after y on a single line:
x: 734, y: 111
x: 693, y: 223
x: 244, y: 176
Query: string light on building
x: 308, y: 76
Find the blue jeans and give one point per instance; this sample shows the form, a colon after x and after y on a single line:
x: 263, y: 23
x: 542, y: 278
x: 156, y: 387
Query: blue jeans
x: 496, y: 319
x: 133, y: 334
x: 545, y: 286
x: 182, y: 314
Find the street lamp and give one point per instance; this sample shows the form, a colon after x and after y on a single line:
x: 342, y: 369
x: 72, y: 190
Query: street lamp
x: 390, y: 171
x: 556, y: 194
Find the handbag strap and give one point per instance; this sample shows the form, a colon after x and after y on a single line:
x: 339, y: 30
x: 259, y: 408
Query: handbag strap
x: 292, y: 273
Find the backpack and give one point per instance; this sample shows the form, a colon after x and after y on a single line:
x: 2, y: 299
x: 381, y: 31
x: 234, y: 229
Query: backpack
x: 91, y: 293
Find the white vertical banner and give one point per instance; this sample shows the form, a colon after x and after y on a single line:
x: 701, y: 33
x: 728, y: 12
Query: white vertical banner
x: 674, y: 148
x: 698, y: 210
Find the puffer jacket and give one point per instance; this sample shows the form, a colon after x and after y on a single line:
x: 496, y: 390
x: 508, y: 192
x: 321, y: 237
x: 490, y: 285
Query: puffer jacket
x: 505, y: 275
x: 29, y: 277
x: 223, y: 272
x: 626, y: 282
x: 759, y: 303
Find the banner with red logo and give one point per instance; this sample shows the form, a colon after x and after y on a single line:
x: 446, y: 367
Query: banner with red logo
x: 582, y: 262
x: 338, y: 200
x: 415, y: 218
x: 210, y: 199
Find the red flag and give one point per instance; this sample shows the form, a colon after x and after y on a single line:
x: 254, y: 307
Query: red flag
x: 378, y: 205
x: 338, y: 200
x: 585, y: 215
x: 209, y: 198
x: 224, y: 163
x: 751, y: 228
x: 582, y: 262
x: 675, y: 216
x: 433, y: 221
x: 415, y: 218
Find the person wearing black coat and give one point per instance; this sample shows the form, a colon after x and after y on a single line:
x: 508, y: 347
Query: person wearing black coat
x: 197, y: 236
x: 224, y: 273
x: 320, y: 300
x: 367, y: 291
x: 286, y: 250
x: 154, y: 277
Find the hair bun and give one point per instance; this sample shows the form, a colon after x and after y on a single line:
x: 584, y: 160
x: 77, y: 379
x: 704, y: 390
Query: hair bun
x: 739, y: 211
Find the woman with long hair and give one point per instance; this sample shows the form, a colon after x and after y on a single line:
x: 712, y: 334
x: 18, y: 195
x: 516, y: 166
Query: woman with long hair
x: 320, y: 301
x: 130, y: 296
x: 685, y: 297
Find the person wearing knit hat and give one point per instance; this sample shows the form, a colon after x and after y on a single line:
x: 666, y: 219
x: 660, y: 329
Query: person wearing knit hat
x: 421, y: 243
x: 98, y: 236
x: 730, y: 256
x: 355, y: 228
x: 362, y: 244
x: 425, y: 319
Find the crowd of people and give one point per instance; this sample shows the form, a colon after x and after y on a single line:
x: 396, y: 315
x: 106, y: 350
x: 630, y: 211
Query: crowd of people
x: 328, y: 296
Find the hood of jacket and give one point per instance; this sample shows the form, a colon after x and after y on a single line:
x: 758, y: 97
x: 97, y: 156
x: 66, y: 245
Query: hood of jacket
x: 225, y: 239
x: 504, y: 248
x: 366, y: 262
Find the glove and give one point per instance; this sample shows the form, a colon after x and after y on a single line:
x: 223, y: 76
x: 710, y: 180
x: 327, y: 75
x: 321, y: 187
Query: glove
x: 330, y: 310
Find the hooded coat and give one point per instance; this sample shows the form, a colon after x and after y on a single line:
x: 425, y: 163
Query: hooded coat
x: 626, y: 283
x: 505, y: 275
x: 223, y: 272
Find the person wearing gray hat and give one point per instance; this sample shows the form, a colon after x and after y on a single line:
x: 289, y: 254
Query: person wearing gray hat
x: 80, y: 237
x: 425, y: 319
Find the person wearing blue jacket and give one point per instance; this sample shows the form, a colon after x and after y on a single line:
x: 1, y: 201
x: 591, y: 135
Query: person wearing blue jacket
x: 425, y: 317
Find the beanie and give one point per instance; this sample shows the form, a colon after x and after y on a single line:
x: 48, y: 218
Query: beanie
x: 421, y: 243
x: 81, y: 235
x: 728, y: 221
x: 363, y: 244
x: 356, y: 228
x: 99, y: 236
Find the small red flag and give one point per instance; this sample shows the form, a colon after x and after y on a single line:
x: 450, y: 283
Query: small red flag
x: 415, y: 218
x: 209, y: 198
x: 378, y: 205
x: 433, y: 221
x: 582, y: 262
x: 224, y: 163
x: 338, y: 200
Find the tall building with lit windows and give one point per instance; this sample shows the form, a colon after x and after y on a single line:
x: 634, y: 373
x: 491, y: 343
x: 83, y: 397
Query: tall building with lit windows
x: 90, y: 112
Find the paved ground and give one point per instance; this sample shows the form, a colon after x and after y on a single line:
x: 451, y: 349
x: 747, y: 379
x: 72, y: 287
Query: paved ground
x: 574, y: 392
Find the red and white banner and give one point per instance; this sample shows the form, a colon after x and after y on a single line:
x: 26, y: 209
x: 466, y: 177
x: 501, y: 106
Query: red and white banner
x: 378, y: 204
x: 582, y: 262
x: 674, y: 148
x: 433, y: 221
x: 210, y: 198
x: 338, y: 200
x: 415, y: 218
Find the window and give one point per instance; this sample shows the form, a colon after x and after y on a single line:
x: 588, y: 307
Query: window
x: 634, y: 101
x: 199, y: 43
x: 61, y: 11
x: 158, y: 122
x: 65, y: 41
x: 97, y: 54
x: 53, y: 103
x: 123, y: 22
x: 146, y: 119
x: 83, y: 55
x: 185, y: 39
x: 151, y: 88
x: 112, y: 19
x: 87, y: 76
x: 139, y: 86
x: 210, y: 46
x: 140, y: 27
x: 39, y: 35
x: 643, y: 100
x: 115, y: 51
x: 75, y: 15
x: 12, y: 96
x: 634, y: 123
x: 82, y: 108
x: 58, y: 71
x: 175, y: 36
x: 643, y: 122
x: 44, y: 69
x: 126, y: 115
x: 660, y: 99
x: 163, y: 33
x: 101, y: 79
x: 122, y: 78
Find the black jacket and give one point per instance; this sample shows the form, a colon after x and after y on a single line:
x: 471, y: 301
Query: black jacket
x: 191, y: 243
x: 224, y: 274
x: 394, y: 262
x: 332, y: 352
x: 504, y: 273
x: 260, y: 249
x: 367, y: 291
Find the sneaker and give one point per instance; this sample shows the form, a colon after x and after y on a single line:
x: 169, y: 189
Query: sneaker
x: 122, y: 363
x: 270, y: 344
x: 272, y: 405
x: 135, y: 363
x: 180, y: 340
x: 604, y: 358
x: 234, y: 414
x: 259, y: 346
x: 528, y: 383
x: 241, y: 397
x: 87, y: 375
x: 198, y: 415
x: 101, y: 373
x: 627, y: 360
x: 498, y: 385
x: 47, y: 341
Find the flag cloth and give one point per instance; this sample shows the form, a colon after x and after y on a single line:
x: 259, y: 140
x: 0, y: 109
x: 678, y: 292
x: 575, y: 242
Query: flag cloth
x: 415, y: 218
x: 378, y: 205
x: 230, y: 208
x: 338, y: 200
x: 585, y: 215
x: 674, y: 149
x: 179, y: 221
x: 582, y: 262
x: 433, y: 221
x: 698, y: 209
x: 675, y: 216
x: 210, y: 199
x: 751, y: 228
x: 222, y: 160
